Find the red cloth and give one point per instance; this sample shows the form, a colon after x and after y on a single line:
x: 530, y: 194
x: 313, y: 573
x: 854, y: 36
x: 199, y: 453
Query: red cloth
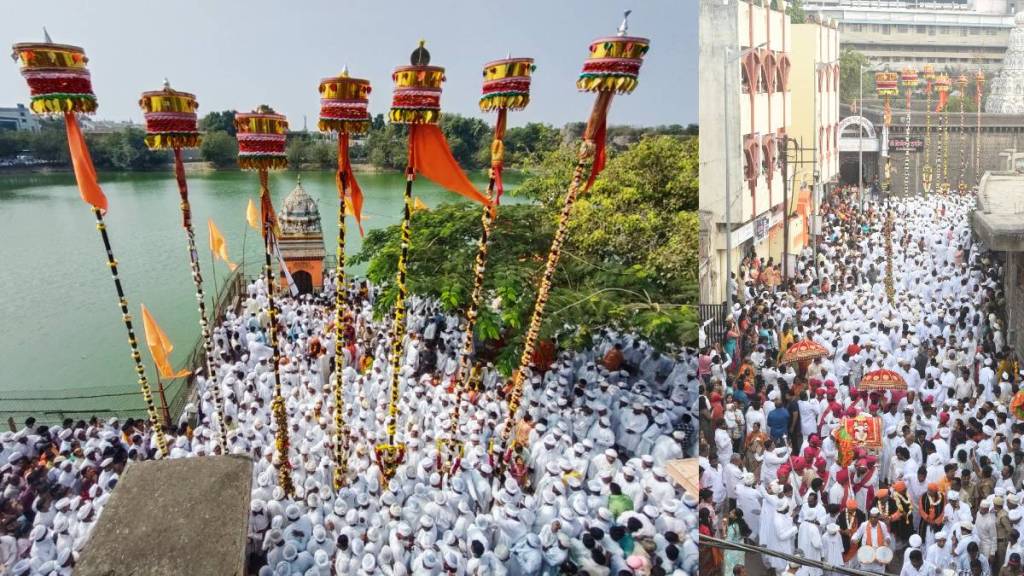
x: 355, y: 193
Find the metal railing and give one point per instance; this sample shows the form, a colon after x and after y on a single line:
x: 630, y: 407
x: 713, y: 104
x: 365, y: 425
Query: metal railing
x: 716, y: 328
x: 82, y: 403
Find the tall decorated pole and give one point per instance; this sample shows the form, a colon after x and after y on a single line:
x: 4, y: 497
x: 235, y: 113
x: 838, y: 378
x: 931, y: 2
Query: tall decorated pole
x: 887, y: 85
x: 171, y: 123
x: 979, y: 84
x: 60, y: 85
x: 416, y: 101
x: 261, y: 147
x: 961, y: 83
x: 612, y: 68
x: 506, y: 87
x: 942, y: 153
x: 909, y: 80
x: 890, y: 290
x: 343, y: 110
x: 926, y: 172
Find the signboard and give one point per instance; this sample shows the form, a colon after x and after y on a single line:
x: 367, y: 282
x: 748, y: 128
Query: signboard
x: 902, y: 143
x: 761, y: 227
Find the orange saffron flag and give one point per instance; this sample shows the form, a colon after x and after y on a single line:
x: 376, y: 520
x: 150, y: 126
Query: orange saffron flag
x: 252, y: 216
x: 354, y: 199
x: 430, y: 156
x: 160, y: 347
x: 85, y: 173
x: 219, y: 246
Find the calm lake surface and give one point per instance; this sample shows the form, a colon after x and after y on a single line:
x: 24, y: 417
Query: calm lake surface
x: 61, y: 327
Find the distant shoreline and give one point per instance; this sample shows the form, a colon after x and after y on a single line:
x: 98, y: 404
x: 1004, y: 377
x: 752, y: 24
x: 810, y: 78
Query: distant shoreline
x: 198, y: 168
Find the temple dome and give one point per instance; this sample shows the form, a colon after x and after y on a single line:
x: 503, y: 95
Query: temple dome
x: 300, y: 215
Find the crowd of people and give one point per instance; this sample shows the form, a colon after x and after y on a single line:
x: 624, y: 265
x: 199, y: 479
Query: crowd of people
x: 588, y: 491
x: 806, y: 459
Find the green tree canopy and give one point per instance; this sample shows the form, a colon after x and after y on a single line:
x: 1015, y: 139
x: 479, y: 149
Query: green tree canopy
x: 220, y: 149
x: 851, y: 63
x: 218, y: 121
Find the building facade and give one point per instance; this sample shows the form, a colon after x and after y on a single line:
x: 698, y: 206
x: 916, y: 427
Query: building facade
x: 749, y: 62
x: 999, y: 223
x: 18, y: 119
x: 947, y: 35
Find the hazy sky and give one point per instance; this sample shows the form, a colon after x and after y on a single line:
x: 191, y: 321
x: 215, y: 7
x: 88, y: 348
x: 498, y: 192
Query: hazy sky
x: 235, y: 54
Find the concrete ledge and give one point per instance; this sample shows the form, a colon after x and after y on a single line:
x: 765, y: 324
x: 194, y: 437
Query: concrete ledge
x: 172, y: 517
x: 1000, y: 232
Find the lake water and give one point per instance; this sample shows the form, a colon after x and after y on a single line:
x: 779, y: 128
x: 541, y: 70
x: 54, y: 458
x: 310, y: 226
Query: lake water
x: 61, y: 324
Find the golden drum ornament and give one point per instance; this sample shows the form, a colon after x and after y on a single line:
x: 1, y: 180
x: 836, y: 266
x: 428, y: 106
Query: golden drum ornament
x: 171, y: 120
x: 261, y: 138
x: 507, y: 84
x: 57, y: 77
x: 613, y: 65
x: 344, y: 105
x: 887, y: 84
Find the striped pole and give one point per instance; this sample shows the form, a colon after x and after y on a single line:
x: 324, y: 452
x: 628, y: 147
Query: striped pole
x: 197, y: 279
x: 147, y: 393
x: 341, y: 324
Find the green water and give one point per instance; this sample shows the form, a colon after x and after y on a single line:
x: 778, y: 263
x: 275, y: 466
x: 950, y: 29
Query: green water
x: 61, y: 324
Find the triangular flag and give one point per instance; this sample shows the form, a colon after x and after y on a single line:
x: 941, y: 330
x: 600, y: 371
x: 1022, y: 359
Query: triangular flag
x: 418, y: 205
x: 219, y: 246
x: 160, y: 347
x: 85, y: 173
x: 430, y: 156
x: 354, y: 198
x: 284, y: 269
x: 252, y: 216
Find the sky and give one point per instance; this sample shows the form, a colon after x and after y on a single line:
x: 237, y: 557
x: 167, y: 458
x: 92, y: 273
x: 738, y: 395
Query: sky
x: 237, y: 55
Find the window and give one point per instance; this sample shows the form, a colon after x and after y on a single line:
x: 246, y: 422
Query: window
x: 903, y: 29
x: 990, y: 31
x: 920, y: 29
x: 931, y: 31
x: 876, y: 28
x: 963, y: 31
x: 975, y: 31
x: 886, y: 29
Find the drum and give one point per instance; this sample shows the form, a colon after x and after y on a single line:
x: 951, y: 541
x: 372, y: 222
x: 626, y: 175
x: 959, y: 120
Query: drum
x: 883, y: 554
x: 866, y: 554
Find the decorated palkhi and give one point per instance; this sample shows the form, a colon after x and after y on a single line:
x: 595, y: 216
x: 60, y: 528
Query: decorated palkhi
x: 261, y: 139
x: 171, y: 120
x: 507, y: 84
x: 57, y: 77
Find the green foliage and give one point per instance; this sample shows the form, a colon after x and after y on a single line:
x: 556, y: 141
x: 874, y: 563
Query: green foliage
x: 387, y: 146
x: 630, y: 261
x: 851, y: 63
x: 223, y: 121
x: 125, y: 150
x: 467, y: 138
x: 796, y: 12
x: 527, y: 145
x: 220, y: 149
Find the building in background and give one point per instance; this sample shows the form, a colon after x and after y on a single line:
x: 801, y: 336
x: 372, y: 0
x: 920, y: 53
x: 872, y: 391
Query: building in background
x: 946, y: 34
x: 750, y: 55
x: 18, y: 119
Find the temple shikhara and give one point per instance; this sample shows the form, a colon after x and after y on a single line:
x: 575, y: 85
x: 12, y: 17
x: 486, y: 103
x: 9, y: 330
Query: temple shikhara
x: 301, y: 241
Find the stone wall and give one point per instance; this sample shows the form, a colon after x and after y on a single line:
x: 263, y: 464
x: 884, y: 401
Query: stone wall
x: 1014, y: 282
x: 993, y: 142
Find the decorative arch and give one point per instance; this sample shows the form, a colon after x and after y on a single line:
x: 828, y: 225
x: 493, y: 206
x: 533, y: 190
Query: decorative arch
x: 768, y: 153
x: 751, y: 157
x: 769, y: 65
x: 860, y: 121
x: 784, y: 67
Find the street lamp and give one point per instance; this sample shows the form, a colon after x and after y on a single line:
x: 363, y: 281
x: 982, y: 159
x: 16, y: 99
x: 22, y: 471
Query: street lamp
x: 727, y: 61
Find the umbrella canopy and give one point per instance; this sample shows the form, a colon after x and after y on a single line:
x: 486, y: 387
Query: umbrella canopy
x: 803, y: 350
x: 882, y: 380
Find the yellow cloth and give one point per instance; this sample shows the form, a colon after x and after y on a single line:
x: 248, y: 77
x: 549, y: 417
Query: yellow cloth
x: 252, y: 216
x: 219, y: 246
x: 160, y: 347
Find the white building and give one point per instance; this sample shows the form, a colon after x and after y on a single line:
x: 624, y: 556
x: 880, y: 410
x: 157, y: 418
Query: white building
x: 18, y: 119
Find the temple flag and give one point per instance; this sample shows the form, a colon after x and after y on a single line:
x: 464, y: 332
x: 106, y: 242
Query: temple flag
x: 252, y: 216
x: 219, y: 246
x: 430, y: 156
x: 85, y: 173
x: 354, y: 199
x: 160, y: 347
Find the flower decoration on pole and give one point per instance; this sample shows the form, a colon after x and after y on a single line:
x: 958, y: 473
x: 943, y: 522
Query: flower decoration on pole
x: 171, y: 123
x: 612, y: 68
x: 416, y: 101
x: 928, y: 73
x: 942, y: 86
x: 261, y: 144
x: 979, y: 86
x: 59, y: 83
x: 506, y: 87
x: 343, y: 110
x: 909, y: 80
x: 887, y: 85
x: 961, y: 84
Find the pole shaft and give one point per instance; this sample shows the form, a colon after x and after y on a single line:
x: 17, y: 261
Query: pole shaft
x: 398, y: 327
x: 197, y: 279
x: 340, y: 324
x: 147, y: 393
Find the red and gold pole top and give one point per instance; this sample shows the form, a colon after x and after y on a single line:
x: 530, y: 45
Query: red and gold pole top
x: 614, y: 62
x: 908, y: 77
x: 171, y: 120
x: 57, y: 77
x: 344, y: 104
x: 887, y: 84
x: 961, y: 81
x: 942, y: 83
x: 417, y: 95
x: 928, y: 72
x: 979, y: 77
x: 507, y: 84
x: 261, y: 139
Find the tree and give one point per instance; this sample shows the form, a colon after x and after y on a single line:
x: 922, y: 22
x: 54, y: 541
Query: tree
x: 630, y: 262
x: 218, y: 121
x: 851, y: 63
x: 297, y: 152
x: 796, y: 12
x: 387, y: 147
x: 466, y: 138
x: 220, y: 149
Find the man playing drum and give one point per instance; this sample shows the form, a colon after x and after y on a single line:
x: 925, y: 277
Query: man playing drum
x: 874, y: 552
